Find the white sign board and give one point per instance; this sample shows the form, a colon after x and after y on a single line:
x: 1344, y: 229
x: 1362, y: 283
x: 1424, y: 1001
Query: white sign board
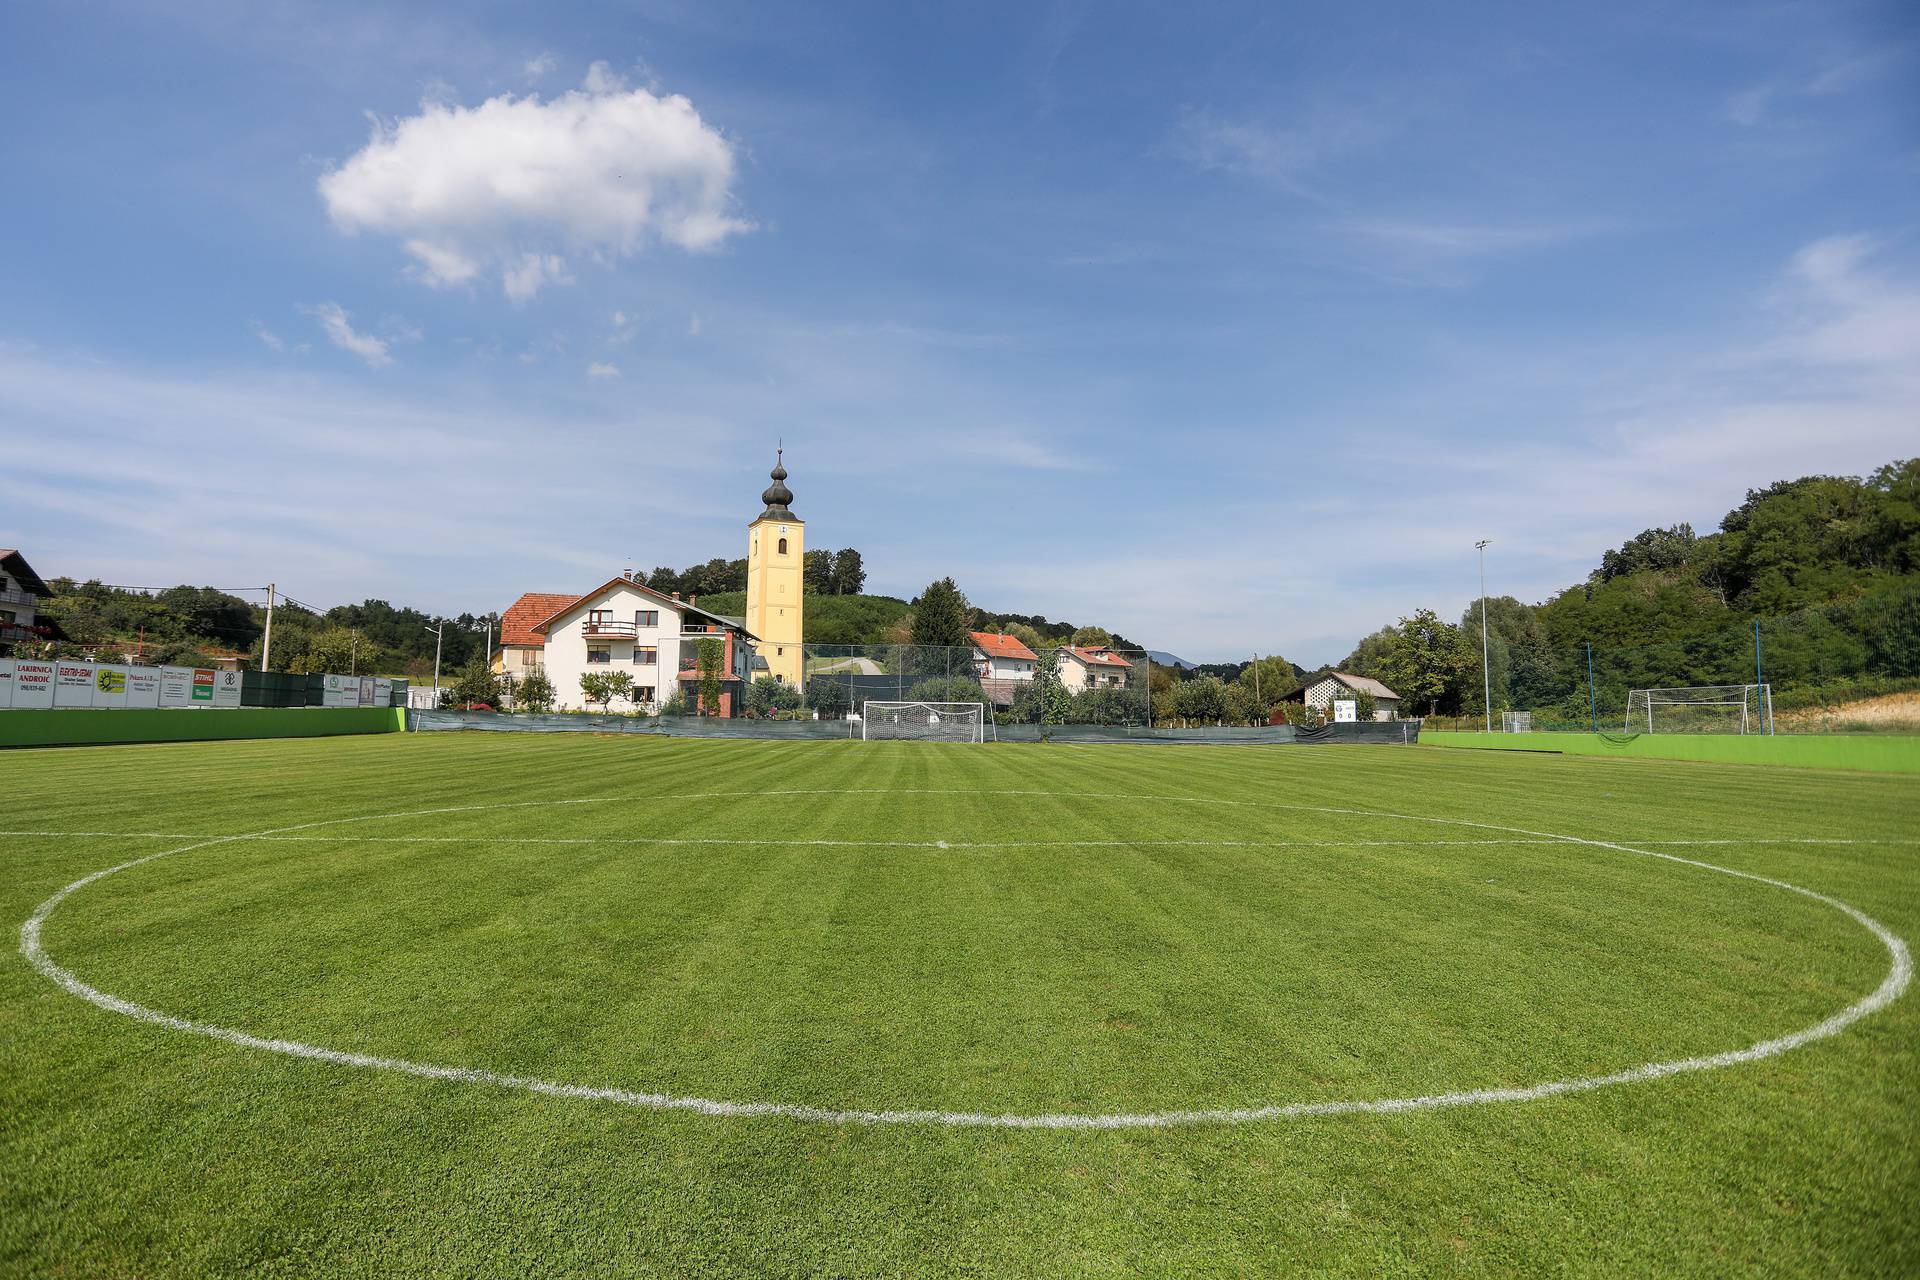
x: 365, y: 698
x: 32, y: 683
x: 176, y: 686
x: 143, y: 687
x: 382, y: 692
x: 73, y: 684
x: 6, y: 682
x: 110, y: 685
x: 1345, y: 711
x: 226, y: 688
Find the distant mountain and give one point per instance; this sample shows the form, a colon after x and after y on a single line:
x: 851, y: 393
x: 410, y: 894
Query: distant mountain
x: 1161, y: 658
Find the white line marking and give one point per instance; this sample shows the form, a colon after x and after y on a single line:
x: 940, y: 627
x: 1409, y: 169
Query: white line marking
x: 1899, y: 976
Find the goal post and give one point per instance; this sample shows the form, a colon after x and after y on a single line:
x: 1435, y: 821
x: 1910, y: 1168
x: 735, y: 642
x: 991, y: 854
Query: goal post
x: 923, y: 721
x: 1516, y: 722
x: 1711, y: 708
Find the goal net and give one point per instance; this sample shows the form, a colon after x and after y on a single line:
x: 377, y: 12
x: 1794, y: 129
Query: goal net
x: 1712, y: 708
x: 1516, y: 722
x: 923, y: 721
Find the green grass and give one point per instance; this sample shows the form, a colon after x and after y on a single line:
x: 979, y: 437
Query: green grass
x: 1139, y: 929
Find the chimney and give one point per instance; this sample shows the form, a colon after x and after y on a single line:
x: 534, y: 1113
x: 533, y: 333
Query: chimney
x: 676, y: 595
x: 693, y: 600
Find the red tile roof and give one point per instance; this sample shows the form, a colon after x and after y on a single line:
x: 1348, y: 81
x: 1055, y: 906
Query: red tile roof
x: 999, y: 646
x: 1097, y: 657
x: 523, y: 615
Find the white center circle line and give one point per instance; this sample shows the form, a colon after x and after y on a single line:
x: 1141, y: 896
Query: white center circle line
x: 1898, y: 977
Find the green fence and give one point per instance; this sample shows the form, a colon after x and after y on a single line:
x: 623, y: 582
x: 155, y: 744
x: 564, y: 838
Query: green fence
x: 1873, y: 753
x: 77, y: 727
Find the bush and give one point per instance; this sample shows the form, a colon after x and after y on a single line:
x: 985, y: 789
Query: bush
x: 767, y: 696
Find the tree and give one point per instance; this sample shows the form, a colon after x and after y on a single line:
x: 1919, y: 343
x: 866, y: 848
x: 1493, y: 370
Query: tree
x: 829, y: 697
x: 1426, y: 659
x: 1051, y: 701
x: 767, y: 695
x: 1026, y: 635
x: 477, y: 685
x: 664, y: 580
x: 948, y: 689
x: 1091, y: 638
x: 713, y: 656
x: 535, y: 691
x: 849, y: 574
x: 1203, y: 700
x: 331, y: 650
x: 816, y: 573
x: 940, y: 616
x: 1266, y: 682
x: 604, y: 686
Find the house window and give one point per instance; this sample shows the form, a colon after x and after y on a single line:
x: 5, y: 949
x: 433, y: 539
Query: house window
x: 645, y: 655
x: 646, y: 617
x: 643, y: 693
x: 599, y: 654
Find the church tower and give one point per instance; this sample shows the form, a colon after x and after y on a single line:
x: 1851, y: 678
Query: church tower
x: 775, y: 556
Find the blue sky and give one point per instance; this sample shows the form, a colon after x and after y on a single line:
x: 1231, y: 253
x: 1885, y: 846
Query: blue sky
x: 1230, y: 329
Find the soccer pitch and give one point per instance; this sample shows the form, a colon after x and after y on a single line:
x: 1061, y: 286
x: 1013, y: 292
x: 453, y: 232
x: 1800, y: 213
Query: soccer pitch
x: 504, y: 1005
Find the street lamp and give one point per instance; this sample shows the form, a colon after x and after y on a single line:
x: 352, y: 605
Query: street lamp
x: 1486, y: 669
x: 438, y: 633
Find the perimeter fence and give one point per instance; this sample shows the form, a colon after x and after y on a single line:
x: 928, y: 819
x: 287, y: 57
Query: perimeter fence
x: 1837, y: 668
x: 1105, y: 687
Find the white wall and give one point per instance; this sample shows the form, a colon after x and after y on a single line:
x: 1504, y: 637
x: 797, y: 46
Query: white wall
x: 998, y: 668
x: 565, y: 655
x: 1076, y: 675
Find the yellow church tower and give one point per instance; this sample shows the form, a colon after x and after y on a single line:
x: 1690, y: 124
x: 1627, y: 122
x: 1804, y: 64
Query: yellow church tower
x: 775, y: 556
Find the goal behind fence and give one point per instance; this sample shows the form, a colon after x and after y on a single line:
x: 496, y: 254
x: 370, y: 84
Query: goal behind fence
x: 1712, y: 708
x: 923, y: 721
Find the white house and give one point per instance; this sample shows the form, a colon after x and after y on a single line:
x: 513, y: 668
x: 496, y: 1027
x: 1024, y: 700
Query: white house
x: 1092, y: 668
x: 628, y: 626
x: 22, y: 630
x: 1322, y: 689
x: 1002, y: 663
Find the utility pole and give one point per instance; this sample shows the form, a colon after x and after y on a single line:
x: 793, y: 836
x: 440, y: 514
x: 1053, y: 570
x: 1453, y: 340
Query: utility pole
x: 266, y: 641
x: 353, y: 653
x: 438, y: 632
x: 1486, y: 668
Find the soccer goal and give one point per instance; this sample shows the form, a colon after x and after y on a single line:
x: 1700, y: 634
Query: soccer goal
x: 923, y: 721
x: 1712, y: 708
x: 1516, y: 722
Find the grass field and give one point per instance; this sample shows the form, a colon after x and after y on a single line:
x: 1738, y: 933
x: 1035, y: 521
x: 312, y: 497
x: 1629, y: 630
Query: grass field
x: 971, y: 935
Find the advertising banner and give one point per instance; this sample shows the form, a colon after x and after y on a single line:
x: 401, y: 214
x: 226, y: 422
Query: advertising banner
x: 73, y: 684
x: 32, y: 683
x: 365, y: 698
x: 382, y: 692
x: 143, y: 687
x: 6, y: 682
x: 200, y: 693
x: 110, y: 686
x: 226, y: 688
x: 332, y: 691
x: 1346, y: 711
x: 176, y: 686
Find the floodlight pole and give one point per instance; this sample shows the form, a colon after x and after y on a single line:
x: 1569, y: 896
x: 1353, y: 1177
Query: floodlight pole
x: 438, y: 633
x: 266, y: 640
x: 1486, y: 668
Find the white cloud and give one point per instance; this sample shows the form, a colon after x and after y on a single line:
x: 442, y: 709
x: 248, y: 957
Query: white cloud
x: 1287, y: 154
x: 693, y: 325
x: 1469, y: 239
x: 599, y: 369
x: 268, y: 337
x: 506, y: 186
x: 1847, y: 313
x: 524, y: 278
x: 334, y: 322
x: 541, y: 66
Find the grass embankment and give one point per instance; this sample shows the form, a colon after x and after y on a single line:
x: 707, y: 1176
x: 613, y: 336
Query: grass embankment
x: 1005, y: 929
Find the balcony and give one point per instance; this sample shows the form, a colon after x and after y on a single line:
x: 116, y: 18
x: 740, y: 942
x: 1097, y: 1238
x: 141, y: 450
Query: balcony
x: 703, y: 630
x: 608, y: 629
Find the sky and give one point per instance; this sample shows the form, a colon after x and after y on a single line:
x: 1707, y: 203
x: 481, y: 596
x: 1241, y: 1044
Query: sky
x: 1228, y: 327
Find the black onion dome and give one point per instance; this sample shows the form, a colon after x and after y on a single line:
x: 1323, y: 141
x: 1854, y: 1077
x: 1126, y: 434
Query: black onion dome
x: 778, y: 495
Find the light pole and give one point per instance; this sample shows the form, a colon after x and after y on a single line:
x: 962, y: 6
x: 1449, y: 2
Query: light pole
x: 438, y: 632
x: 1486, y: 668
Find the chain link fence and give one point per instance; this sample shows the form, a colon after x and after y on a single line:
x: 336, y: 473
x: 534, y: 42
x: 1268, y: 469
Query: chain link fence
x: 1848, y: 667
x: 1105, y: 687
